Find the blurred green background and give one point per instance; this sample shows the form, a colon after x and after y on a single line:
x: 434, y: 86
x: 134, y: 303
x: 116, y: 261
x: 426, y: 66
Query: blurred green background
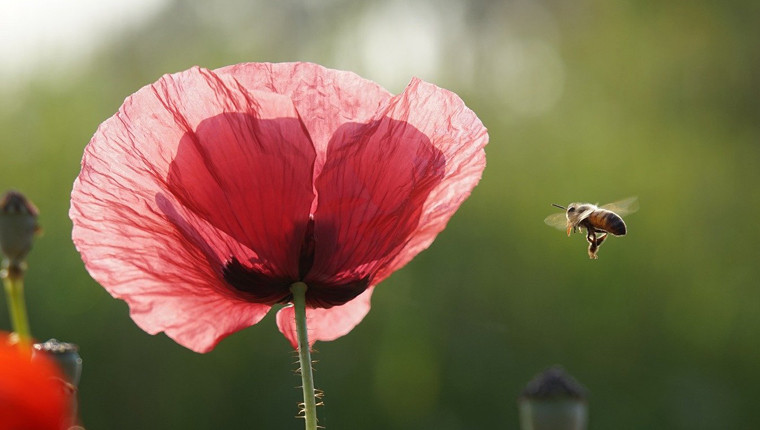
x: 592, y: 100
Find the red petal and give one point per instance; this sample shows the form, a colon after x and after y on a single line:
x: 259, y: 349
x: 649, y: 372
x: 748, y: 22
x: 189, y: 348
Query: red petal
x: 324, y: 98
x: 460, y: 136
x: 371, y: 191
x: 325, y: 324
x: 388, y: 187
x: 173, y: 185
x: 32, y: 395
x: 250, y: 178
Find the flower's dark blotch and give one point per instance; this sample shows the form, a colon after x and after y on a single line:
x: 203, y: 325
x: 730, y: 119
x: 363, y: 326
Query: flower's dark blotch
x: 255, y: 286
x: 327, y: 296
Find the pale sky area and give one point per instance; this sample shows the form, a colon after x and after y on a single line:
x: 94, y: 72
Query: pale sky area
x: 53, y: 38
x: 59, y: 33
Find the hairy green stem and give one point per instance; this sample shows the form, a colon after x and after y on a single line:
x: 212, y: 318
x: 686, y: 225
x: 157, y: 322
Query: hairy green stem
x: 14, y: 290
x: 304, y: 355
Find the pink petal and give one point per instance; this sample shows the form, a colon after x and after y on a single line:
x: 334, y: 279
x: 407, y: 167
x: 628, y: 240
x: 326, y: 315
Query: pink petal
x: 251, y: 179
x: 157, y: 207
x: 371, y: 191
x: 324, y: 98
x: 325, y: 324
x: 388, y: 187
x: 168, y: 282
x: 460, y: 136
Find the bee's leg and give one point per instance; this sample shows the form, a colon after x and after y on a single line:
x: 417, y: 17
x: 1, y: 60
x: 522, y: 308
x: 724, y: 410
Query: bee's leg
x: 593, y: 244
x: 590, y: 235
x: 600, y: 239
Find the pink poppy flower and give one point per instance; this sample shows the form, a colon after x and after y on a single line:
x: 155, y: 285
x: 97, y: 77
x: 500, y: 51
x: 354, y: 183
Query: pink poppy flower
x: 210, y: 192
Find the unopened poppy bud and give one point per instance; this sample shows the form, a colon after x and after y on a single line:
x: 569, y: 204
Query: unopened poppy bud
x: 66, y: 355
x: 553, y: 400
x: 18, y: 225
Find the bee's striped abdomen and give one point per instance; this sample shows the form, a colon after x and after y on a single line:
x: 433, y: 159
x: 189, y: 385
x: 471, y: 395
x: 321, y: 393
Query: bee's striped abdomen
x: 608, y: 221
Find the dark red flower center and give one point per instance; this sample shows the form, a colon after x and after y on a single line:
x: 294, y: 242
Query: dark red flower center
x: 261, y: 288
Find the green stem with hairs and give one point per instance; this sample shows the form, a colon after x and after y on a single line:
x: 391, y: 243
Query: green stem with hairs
x: 13, y: 278
x: 304, y: 355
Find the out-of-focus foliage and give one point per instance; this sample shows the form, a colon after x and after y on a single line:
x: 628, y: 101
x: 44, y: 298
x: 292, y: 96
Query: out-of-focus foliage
x: 584, y: 100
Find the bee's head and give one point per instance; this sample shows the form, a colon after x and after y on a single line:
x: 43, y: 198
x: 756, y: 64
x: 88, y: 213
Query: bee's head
x: 575, y: 211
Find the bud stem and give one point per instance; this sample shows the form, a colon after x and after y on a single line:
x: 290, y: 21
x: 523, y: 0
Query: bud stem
x: 304, y: 355
x: 13, y: 279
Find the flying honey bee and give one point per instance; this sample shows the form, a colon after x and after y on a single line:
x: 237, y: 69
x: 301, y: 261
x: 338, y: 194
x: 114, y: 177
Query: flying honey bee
x: 597, y: 220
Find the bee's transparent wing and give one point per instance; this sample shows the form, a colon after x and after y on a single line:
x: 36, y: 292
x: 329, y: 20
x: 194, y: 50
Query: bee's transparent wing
x: 623, y: 207
x: 557, y: 220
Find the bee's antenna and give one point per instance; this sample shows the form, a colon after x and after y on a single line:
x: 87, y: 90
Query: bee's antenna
x: 561, y: 207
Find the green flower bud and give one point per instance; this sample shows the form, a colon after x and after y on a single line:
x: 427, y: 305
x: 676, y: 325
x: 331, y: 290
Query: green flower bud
x: 553, y: 400
x: 66, y: 355
x: 18, y: 226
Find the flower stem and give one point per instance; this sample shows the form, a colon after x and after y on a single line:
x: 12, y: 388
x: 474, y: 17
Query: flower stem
x: 13, y: 278
x: 304, y: 355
